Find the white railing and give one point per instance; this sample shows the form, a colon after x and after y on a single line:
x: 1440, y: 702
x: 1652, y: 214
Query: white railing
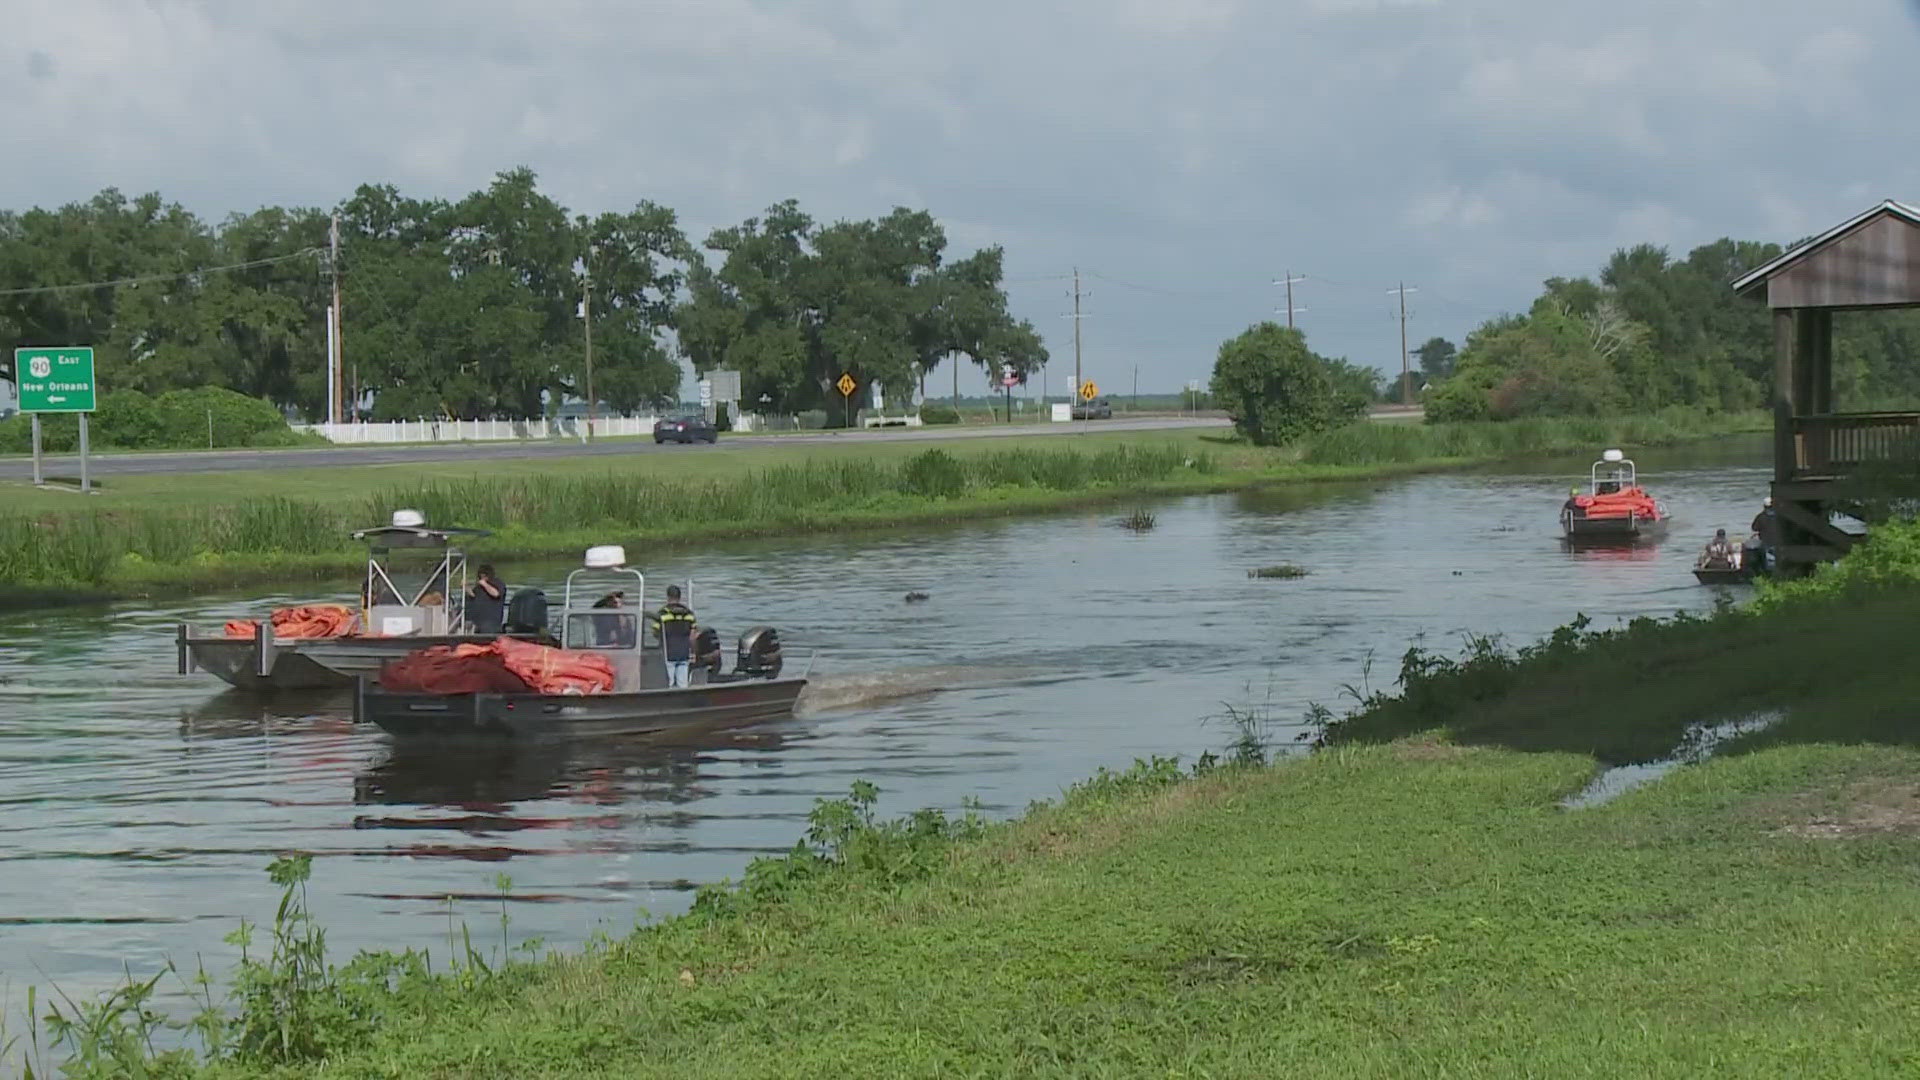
x: 422, y: 431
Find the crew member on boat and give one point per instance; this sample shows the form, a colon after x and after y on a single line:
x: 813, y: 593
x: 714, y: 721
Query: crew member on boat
x: 1719, y: 553
x: 676, y: 636
x: 1765, y: 537
x: 487, y: 602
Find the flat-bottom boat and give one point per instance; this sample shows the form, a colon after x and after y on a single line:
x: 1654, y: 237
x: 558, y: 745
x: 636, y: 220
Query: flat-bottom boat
x: 1615, y: 506
x: 393, y: 620
x: 641, y: 702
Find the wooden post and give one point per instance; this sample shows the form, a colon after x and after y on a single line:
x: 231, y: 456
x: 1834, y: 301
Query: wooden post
x: 1783, y: 381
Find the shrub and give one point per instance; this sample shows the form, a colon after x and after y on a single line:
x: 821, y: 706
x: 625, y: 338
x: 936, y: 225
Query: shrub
x: 939, y: 414
x: 933, y: 474
x: 1278, y: 390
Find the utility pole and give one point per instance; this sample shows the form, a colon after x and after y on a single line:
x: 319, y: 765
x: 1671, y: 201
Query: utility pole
x: 1076, y: 317
x: 586, y: 315
x: 1406, y: 372
x: 336, y: 375
x: 1134, y: 405
x: 1289, y: 281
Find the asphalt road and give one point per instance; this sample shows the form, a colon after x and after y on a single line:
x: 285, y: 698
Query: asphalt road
x: 68, y: 465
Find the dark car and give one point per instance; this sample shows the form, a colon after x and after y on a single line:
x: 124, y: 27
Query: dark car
x: 1097, y: 409
x: 691, y: 427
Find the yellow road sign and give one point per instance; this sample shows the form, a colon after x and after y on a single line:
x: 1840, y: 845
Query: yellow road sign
x: 846, y: 385
x: 1088, y: 391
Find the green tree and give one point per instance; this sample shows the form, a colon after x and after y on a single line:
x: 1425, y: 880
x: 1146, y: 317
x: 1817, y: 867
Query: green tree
x: 1437, y: 356
x: 1278, y: 390
x: 793, y: 305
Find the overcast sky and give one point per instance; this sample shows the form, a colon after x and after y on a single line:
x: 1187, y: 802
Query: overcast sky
x: 1183, y: 155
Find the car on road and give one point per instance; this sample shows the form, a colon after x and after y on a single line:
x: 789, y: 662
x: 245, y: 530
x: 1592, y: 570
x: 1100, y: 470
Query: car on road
x: 1097, y: 409
x: 684, y: 428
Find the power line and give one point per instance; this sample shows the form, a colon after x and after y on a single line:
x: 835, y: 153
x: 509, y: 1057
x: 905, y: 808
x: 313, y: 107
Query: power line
x: 151, y: 278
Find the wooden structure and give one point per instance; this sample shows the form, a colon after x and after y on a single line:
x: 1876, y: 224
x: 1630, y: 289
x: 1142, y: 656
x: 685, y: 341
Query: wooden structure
x: 1825, y: 460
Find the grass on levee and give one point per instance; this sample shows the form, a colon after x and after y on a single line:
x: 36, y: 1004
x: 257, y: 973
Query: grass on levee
x: 1410, y: 909
x: 726, y: 461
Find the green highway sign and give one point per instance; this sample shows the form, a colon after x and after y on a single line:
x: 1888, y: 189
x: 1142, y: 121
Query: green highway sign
x: 54, y: 380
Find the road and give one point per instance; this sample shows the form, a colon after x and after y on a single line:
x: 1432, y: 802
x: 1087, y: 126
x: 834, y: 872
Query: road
x: 201, y: 461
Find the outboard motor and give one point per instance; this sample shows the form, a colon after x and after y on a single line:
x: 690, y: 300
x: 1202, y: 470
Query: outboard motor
x: 759, y: 655
x: 527, y: 612
x: 706, y: 651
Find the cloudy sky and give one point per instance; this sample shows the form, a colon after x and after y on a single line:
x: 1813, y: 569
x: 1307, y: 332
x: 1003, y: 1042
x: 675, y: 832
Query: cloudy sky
x: 1182, y: 155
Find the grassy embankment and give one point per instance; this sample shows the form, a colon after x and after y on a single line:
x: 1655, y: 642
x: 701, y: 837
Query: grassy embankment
x: 175, y: 533
x: 1410, y: 900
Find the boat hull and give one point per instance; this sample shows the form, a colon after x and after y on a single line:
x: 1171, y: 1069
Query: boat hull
x: 1723, y: 575
x: 1578, y: 527
x: 531, y: 716
x: 264, y: 664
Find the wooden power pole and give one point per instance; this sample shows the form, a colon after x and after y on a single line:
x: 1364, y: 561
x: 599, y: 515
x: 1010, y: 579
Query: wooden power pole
x: 337, y: 363
x: 1406, y: 371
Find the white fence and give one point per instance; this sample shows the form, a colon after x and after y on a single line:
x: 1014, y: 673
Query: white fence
x: 421, y: 431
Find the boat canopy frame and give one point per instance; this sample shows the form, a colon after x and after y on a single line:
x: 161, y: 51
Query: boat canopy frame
x: 448, y: 578
x: 1618, y: 471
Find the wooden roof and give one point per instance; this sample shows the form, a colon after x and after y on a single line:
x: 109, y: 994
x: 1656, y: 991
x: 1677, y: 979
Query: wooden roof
x: 1869, y: 260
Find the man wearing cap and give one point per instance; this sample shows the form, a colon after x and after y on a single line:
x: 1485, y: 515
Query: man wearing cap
x: 676, y: 636
x: 1764, y: 539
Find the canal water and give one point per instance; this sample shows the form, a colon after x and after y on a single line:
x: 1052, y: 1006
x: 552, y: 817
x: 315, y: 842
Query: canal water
x: 141, y: 808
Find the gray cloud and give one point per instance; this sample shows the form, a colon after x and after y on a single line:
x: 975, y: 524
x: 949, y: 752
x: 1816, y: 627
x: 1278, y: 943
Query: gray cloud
x: 1192, y: 150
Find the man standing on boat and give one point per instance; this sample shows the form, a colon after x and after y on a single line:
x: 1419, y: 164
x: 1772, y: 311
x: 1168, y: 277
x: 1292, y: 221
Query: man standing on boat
x: 487, y: 602
x: 676, y: 636
x: 1764, y: 538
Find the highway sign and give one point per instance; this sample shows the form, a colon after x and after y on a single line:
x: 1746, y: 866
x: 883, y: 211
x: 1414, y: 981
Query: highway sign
x: 1089, y: 391
x: 54, y: 380
x: 846, y: 385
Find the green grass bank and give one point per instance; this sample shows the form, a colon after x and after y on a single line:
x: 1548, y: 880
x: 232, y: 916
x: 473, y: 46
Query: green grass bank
x: 148, y: 535
x: 1412, y: 899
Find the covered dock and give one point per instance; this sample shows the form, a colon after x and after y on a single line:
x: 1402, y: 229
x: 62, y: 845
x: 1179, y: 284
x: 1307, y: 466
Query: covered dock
x: 1824, y: 461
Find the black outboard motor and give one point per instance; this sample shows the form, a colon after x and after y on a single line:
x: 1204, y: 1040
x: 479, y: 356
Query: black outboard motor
x: 527, y: 612
x: 706, y: 652
x: 759, y: 655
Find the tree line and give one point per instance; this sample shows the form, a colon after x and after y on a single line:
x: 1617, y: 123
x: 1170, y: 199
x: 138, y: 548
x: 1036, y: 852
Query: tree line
x: 1652, y: 331
x: 471, y: 308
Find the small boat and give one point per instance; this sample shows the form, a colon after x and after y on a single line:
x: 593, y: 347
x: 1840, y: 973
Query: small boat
x: 1615, y: 506
x: 1742, y: 571
x: 1722, y: 575
x: 640, y: 703
x: 391, y: 622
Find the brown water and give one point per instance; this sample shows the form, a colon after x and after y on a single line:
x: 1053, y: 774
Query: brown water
x: 140, y: 808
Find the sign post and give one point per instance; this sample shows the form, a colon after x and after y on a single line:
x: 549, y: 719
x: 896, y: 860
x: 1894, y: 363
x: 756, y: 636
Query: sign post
x: 56, y: 381
x: 847, y: 386
x: 1088, y: 391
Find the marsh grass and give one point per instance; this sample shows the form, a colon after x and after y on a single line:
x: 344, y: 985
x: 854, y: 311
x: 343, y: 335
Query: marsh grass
x: 547, y: 514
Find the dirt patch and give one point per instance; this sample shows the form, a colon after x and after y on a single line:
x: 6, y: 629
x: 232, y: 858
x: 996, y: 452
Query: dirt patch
x: 1867, y: 806
x: 1090, y: 833
x: 1427, y: 748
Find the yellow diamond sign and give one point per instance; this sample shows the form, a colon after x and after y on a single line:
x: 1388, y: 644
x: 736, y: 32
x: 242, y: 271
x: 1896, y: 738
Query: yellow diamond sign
x: 846, y: 385
x: 1088, y: 391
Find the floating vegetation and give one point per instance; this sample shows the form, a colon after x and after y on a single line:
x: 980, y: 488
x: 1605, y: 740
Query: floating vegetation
x: 1139, y: 521
x: 1283, y: 570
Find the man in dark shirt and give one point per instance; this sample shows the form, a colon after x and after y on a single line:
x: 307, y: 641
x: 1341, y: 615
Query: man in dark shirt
x: 487, y: 602
x: 1766, y: 534
x: 676, y: 636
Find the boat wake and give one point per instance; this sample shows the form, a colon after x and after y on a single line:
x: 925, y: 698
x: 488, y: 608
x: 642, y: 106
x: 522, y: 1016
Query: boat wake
x: 831, y: 692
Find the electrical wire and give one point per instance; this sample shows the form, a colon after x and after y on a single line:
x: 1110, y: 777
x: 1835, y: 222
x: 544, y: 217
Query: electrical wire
x: 39, y: 290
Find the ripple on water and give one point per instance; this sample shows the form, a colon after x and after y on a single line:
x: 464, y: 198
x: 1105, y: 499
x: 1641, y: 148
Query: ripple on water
x: 141, y: 808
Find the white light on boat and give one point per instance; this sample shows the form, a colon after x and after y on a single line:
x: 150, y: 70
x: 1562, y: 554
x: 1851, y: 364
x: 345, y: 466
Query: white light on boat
x: 606, y: 557
x: 1613, y: 455
x: 408, y: 519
